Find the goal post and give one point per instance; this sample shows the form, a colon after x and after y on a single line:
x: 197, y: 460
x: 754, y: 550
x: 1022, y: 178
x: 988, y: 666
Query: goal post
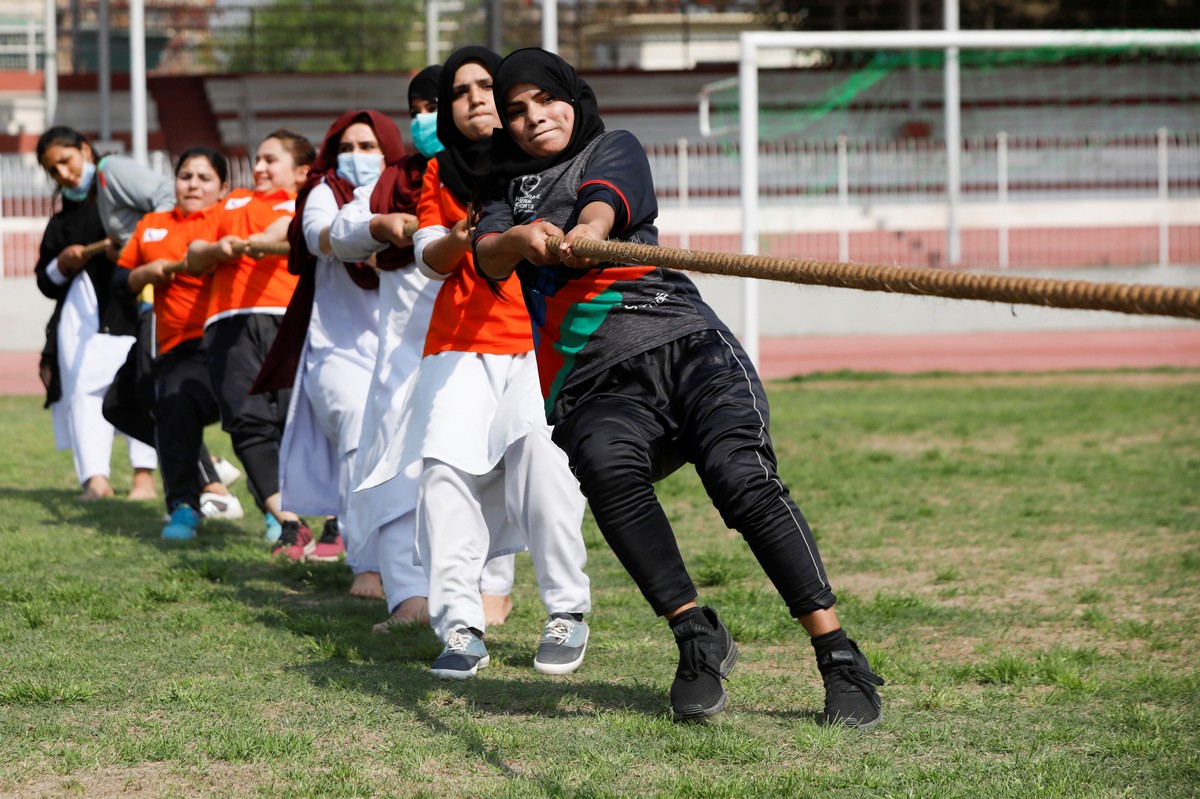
x: 948, y: 41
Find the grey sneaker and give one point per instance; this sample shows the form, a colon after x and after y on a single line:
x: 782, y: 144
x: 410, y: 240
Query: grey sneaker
x: 564, y: 640
x: 464, y: 655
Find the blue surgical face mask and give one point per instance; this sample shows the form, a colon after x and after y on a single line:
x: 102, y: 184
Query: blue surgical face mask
x: 424, y: 133
x: 79, y: 193
x: 360, y: 168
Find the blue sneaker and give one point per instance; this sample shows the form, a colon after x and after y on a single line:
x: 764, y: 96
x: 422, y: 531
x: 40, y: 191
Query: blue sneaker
x: 274, y: 529
x: 564, y: 640
x: 183, y: 524
x: 464, y: 655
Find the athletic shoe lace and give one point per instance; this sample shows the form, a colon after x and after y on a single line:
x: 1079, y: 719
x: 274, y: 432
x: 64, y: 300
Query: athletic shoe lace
x: 558, y: 630
x: 695, y: 659
x: 860, y: 678
x: 458, y: 641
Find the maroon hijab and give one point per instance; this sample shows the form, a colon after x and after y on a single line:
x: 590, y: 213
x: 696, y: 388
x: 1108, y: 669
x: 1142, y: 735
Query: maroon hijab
x: 324, y: 170
x: 279, y: 367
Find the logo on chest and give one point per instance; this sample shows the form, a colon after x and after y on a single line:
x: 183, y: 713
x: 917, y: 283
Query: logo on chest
x: 525, y: 203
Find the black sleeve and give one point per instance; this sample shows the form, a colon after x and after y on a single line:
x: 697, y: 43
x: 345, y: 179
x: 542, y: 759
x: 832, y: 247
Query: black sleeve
x: 618, y: 173
x: 51, y: 246
x: 496, y: 218
x: 122, y: 291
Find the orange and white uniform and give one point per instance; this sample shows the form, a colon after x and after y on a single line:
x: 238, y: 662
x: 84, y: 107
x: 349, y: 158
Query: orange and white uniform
x: 181, y: 306
x: 492, y: 481
x: 247, y: 285
x: 467, y: 315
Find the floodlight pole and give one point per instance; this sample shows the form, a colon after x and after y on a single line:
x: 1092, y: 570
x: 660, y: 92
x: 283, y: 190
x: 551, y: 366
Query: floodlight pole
x: 748, y: 102
x: 104, y: 56
x: 50, y: 62
x: 953, y: 140
x: 432, y: 55
x: 550, y: 25
x: 137, y: 81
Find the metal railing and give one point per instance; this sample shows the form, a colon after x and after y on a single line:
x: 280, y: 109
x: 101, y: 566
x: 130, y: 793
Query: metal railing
x: 852, y: 191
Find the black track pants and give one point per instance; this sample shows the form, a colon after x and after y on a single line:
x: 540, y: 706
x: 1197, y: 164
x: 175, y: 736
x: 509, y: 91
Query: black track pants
x: 236, y: 347
x: 696, y: 399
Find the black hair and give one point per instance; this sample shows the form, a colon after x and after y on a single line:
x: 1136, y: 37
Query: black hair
x: 63, y: 136
x: 218, y: 161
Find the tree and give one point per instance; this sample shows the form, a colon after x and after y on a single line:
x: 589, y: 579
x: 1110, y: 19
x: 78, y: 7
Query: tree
x: 327, y: 36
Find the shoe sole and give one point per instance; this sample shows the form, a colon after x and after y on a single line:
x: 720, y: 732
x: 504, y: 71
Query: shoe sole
x: 191, y: 537
x: 454, y: 674
x: 702, y: 715
x: 334, y: 558
x: 559, y: 668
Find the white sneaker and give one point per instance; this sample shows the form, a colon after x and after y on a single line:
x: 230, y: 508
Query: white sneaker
x: 228, y: 473
x: 220, y: 506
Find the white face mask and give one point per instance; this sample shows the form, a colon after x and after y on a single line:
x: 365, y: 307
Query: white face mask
x: 360, y: 168
x: 79, y: 193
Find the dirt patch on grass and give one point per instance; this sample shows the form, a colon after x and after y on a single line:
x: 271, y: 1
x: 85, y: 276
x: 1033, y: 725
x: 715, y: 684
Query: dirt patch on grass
x: 145, y: 780
x: 1089, y: 590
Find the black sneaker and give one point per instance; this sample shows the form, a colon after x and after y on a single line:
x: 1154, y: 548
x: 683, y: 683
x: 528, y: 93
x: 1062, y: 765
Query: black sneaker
x: 330, y: 548
x: 850, y: 695
x: 706, y: 656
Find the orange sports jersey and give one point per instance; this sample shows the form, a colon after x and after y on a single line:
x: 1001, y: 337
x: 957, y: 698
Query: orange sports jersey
x: 467, y: 316
x: 181, y: 306
x: 247, y: 285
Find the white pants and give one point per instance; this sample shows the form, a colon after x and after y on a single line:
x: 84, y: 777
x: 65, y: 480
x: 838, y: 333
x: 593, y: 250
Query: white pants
x: 365, y: 558
x: 87, y: 362
x: 404, y: 579
x: 462, y: 517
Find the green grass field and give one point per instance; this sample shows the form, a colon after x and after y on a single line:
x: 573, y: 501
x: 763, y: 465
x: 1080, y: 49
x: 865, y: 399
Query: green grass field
x: 1019, y: 555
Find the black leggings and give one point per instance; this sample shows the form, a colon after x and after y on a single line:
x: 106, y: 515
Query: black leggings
x: 134, y: 404
x: 185, y: 405
x: 236, y: 347
x: 696, y: 399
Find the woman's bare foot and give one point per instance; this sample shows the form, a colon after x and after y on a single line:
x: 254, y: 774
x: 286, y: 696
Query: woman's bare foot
x: 496, y: 608
x: 96, y: 487
x: 143, y: 485
x: 367, y: 585
x: 414, y: 610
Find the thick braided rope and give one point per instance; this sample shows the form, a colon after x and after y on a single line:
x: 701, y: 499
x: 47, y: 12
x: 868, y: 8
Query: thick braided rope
x: 95, y: 248
x: 1119, y: 297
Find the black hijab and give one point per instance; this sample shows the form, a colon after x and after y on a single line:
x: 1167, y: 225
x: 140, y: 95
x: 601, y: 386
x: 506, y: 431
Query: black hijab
x: 464, y: 163
x: 424, y: 85
x: 551, y: 74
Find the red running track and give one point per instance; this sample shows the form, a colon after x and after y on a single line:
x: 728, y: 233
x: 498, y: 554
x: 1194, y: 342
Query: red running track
x: 960, y: 352
x: 982, y: 352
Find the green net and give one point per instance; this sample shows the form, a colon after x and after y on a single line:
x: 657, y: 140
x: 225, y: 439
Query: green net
x: 884, y: 95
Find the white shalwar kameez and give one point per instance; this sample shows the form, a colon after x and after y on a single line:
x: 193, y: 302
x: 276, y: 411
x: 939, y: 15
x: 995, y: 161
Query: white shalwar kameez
x: 474, y: 424
x: 329, y: 396
x: 87, y: 362
x: 381, y: 516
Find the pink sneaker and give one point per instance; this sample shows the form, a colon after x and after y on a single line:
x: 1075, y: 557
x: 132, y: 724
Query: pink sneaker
x: 330, y: 548
x: 296, y: 541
